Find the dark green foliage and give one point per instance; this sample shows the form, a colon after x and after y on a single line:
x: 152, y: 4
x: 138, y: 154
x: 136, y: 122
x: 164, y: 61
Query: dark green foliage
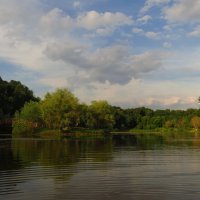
x: 13, y: 96
x: 119, y: 118
x: 100, y: 115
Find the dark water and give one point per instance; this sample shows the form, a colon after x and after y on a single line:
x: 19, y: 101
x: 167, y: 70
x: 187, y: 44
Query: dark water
x: 119, y: 167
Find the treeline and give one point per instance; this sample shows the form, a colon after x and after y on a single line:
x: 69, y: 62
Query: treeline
x: 61, y: 110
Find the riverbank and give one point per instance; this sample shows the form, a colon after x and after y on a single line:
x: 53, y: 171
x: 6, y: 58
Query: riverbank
x: 83, y: 132
x: 57, y: 134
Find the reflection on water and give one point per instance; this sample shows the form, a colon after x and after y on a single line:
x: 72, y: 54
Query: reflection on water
x: 117, y: 167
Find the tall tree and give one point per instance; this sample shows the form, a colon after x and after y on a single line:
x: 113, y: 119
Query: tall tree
x: 58, y: 107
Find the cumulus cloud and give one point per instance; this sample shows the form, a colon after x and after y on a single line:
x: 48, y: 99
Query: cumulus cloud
x: 183, y: 11
x: 102, y: 24
x: 113, y: 63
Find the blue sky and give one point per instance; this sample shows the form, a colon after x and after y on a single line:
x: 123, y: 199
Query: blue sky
x: 131, y: 53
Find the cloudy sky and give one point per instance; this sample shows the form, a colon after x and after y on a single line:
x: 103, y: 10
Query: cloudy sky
x: 131, y: 53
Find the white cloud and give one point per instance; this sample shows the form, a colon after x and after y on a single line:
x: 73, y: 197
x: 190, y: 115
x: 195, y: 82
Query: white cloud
x: 56, y: 20
x: 94, y: 20
x: 152, y: 35
x: 138, y: 30
x: 101, y: 24
x: 186, y: 11
x: 144, y: 19
x: 167, y: 45
x: 195, y: 32
x: 11, y: 12
x: 104, y: 31
x: 167, y: 27
x: 149, y: 34
x: 151, y: 3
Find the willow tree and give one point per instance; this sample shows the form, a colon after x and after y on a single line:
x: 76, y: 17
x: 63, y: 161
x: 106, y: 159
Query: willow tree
x: 57, y: 108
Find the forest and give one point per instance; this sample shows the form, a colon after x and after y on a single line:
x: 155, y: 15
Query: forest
x: 61, y: 110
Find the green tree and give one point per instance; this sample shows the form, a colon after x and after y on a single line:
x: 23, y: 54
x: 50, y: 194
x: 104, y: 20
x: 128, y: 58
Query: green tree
x: 58, y: 108
x: 100, y: 115
x: 119, y: 118
x: 82, y: 114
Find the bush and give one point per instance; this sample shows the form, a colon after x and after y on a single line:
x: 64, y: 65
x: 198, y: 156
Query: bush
x: 28, y: 120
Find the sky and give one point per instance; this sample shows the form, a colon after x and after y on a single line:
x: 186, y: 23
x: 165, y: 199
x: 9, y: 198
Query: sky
x: 131, y: 53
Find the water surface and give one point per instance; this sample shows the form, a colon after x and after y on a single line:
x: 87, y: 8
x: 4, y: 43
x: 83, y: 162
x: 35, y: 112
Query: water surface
x: 119, y: 167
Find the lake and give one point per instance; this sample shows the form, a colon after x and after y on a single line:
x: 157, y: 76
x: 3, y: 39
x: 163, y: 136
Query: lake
x: 119, y: 167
